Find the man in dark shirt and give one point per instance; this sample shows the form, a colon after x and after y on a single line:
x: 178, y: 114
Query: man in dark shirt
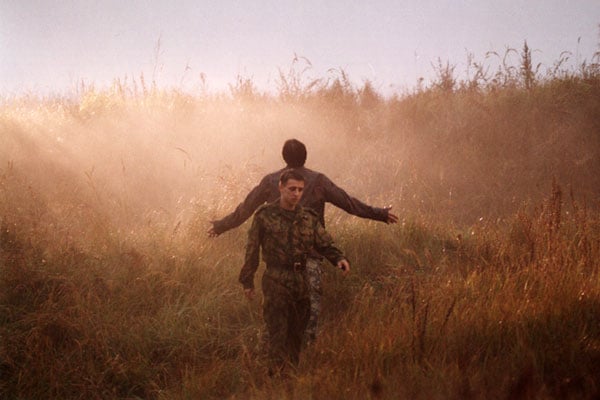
x: 318, y: 190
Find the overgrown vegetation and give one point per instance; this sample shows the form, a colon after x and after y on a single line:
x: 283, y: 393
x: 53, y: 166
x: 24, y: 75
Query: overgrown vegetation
x: 488, y: 288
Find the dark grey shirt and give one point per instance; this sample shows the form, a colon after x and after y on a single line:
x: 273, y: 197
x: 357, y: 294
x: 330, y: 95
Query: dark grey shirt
x: 318, y: 190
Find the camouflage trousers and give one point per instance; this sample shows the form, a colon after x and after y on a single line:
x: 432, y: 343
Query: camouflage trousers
x: 286, y: 311
x: 313, y: 275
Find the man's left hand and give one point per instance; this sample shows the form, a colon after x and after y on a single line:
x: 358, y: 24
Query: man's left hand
x: 391, y: 218
x: 211, y: 231
x: 344, y: 265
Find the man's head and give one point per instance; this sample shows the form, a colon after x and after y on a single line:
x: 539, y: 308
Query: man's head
x: 294, y: 153
x: 291, y: 186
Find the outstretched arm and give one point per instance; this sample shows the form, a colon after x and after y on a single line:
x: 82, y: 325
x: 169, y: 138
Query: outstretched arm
x: 257, y: 196
x: 339, y: 198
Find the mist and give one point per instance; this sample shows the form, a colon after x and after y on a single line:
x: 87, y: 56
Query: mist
x: 173, y: 159
x: 111, y: 286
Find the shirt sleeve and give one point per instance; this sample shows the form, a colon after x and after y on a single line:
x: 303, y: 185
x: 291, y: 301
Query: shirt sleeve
x: 251, y: 259
x: 257, y: 196
x: 339, y: 198
x: 325, y: 246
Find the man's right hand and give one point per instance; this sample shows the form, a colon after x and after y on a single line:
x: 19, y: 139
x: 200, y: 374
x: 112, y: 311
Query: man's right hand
x: 249, y: 293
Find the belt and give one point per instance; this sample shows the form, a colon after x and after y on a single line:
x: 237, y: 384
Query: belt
x: 296, y: 267
x: 299, y: 267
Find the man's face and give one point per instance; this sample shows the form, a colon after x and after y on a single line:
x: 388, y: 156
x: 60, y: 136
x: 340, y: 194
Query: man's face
x: 291, y: 192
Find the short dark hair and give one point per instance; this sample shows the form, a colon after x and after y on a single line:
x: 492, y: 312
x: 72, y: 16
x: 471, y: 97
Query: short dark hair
x: 294, y: 153
x: 288, y: 174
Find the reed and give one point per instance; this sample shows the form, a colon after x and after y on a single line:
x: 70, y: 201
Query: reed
x: 487, y: 288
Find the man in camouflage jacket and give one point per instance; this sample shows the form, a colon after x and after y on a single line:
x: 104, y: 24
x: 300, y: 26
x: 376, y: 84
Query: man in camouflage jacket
x: 318, y: 190
x: 288, y: 234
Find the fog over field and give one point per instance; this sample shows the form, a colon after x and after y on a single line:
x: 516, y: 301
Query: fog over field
x: 110, y: 287
x: 171, y: 154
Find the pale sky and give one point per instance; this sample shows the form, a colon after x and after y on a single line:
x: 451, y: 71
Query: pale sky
x: 49, y: 46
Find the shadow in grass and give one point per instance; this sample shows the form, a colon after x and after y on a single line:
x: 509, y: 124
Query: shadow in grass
x: 556, y: 353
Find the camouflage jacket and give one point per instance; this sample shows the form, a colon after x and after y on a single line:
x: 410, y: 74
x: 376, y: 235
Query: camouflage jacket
x: 286, y: 237
x: 318, y: 190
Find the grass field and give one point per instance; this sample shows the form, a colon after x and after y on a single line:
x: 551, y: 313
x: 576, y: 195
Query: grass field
x: 489, y: 286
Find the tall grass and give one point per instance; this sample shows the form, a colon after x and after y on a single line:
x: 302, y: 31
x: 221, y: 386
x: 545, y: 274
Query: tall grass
x: 487, y: 288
